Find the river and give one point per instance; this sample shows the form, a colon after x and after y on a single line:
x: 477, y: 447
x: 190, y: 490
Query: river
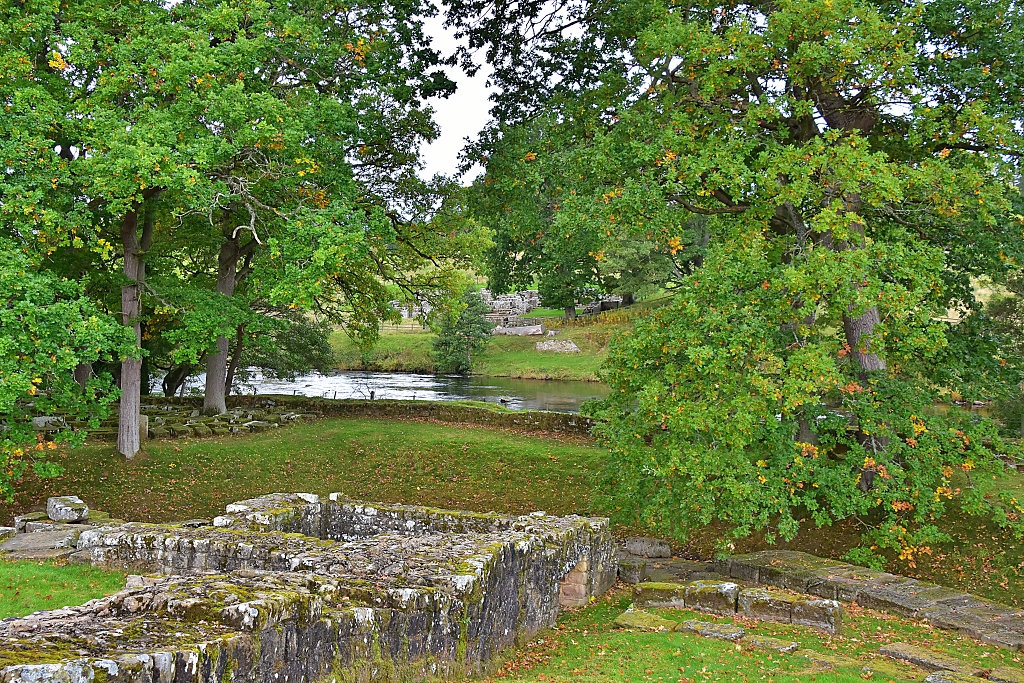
x: 515, y: 394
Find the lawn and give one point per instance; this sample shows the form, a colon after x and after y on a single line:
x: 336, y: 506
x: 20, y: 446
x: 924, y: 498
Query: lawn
x: 27, y: 587
x: 585, y: 647
x: 405, y: 349
x: 390, y: 461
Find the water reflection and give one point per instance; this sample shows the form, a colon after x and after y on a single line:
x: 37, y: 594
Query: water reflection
x: 515, y: 394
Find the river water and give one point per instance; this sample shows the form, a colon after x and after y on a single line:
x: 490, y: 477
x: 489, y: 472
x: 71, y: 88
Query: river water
x: 515, y: 394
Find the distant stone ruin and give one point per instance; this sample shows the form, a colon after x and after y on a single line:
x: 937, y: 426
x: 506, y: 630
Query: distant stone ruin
x: 289, y: 588
x: 507, y: 309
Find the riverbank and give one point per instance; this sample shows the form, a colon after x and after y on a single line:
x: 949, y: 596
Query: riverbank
x: 407, y: 349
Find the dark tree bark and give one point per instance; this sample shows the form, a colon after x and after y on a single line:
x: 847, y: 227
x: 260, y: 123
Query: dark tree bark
x: 236, y: 356
x: 214, y: 401
x: 83, y: 371
x: 175, y: 378
x: 570, y: 312
x: 131, y: 307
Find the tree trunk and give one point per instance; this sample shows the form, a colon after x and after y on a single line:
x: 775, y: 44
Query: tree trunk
x: 175, y: 378
x: 214, y: 401
x: 570, y: 312
x: 131, y: 308
x: 627, y: 299
x: 236, y: 355
x: 83, y: 371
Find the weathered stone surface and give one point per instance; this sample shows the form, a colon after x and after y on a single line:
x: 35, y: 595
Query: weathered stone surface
x: 942, y: 607
x: 7, y: 532
x: 926, y: 659
x: 644, y: 621
x: 710, y: 630
x: 769, y: 643
x: 643, y: 546
x: 44, y: 540
x: 677, y: 570
x: 657, y: 594
x: 758, y: 603
x: 826, y: 615
x: 21, y: 520
x: 293, y: 589
x: 950, y: 677
x: 35, y: 527
x: 822, y: 660
x: 632, y: 569
x: 1006, y: 674
x: 558, y: 345
x: 715, y: 597
x: 67, y: 509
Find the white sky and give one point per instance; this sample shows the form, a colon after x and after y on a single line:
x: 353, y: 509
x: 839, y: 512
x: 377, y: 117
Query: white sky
x: 460, y: 116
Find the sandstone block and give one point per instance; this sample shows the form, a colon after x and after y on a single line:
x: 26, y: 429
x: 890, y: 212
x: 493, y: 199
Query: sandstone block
x: 759, y: 603
x: 21, y: 520
x: 631, y: 568
x: 769, y: 643
x: 7, y: 532
x: 44, y: 540
x: 950, y: 677
x: 1006, y: 674
x: 709, y: 630
x: 67, y: 509
x: 824, y: 614
x: 715, y: 597
x: 34, y: 527
x: 644, y: 621
x: 653, y: 594
x: 926, y: 659
x: 643, y: 546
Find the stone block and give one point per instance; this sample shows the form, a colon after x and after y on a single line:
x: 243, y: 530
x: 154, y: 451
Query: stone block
x: 45, y: 540
x: 655, y: 594
x: 144, y: 426
x: 644, y: 621
x: 759, y: 603
x: 7, y: 532
x: 67, y: 509
x: 34, y: 527
x: 157, y: 432
x: 710, y: 630
x: 1006, y: 674
x: 21, y: 520
x: 643, y: 546
x: 769, y: 643
x: 823, y: 660
x: 826, y: 615
x: 714, y: 597
x: 632, y: 569
x: 950, y: 677
x: 926, y: 659
x: 201, y: 430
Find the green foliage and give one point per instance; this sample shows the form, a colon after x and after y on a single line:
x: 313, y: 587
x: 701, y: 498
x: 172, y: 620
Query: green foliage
x: 47, y: 328
x: 460, y: 334
x: 1007, y: 310
x: 829, y: 177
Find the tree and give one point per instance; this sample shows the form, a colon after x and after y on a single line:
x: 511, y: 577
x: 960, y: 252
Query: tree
x: 853, y: 161
x: 1007, y: 309
x: 462, y: 333
x: 47, y: 329
x: 286, y: 128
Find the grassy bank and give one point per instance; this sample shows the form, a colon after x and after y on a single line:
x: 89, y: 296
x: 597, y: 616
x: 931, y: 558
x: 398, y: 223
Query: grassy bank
x: 407, y: 349
x: 452, y: 466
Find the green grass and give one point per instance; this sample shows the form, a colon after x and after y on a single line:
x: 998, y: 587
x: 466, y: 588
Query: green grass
x: 379, y: 460
x: 586, y: 648
x: 27, y: 587
x: 408, y: 350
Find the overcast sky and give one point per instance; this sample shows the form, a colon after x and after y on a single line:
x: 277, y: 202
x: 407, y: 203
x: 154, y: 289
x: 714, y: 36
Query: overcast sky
x: 460, y: 116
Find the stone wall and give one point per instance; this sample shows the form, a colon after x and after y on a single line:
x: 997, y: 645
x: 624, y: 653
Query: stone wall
x: 291, y: 589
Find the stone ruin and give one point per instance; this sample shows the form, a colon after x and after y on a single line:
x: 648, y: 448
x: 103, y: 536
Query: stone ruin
x: 162, y: 420
x: 289, y: 588
x: 507, y: 309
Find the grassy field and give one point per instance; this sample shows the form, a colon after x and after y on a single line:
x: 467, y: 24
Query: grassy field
x: 585, y: 647
x: 27, y: 587
x: 405, y: 349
